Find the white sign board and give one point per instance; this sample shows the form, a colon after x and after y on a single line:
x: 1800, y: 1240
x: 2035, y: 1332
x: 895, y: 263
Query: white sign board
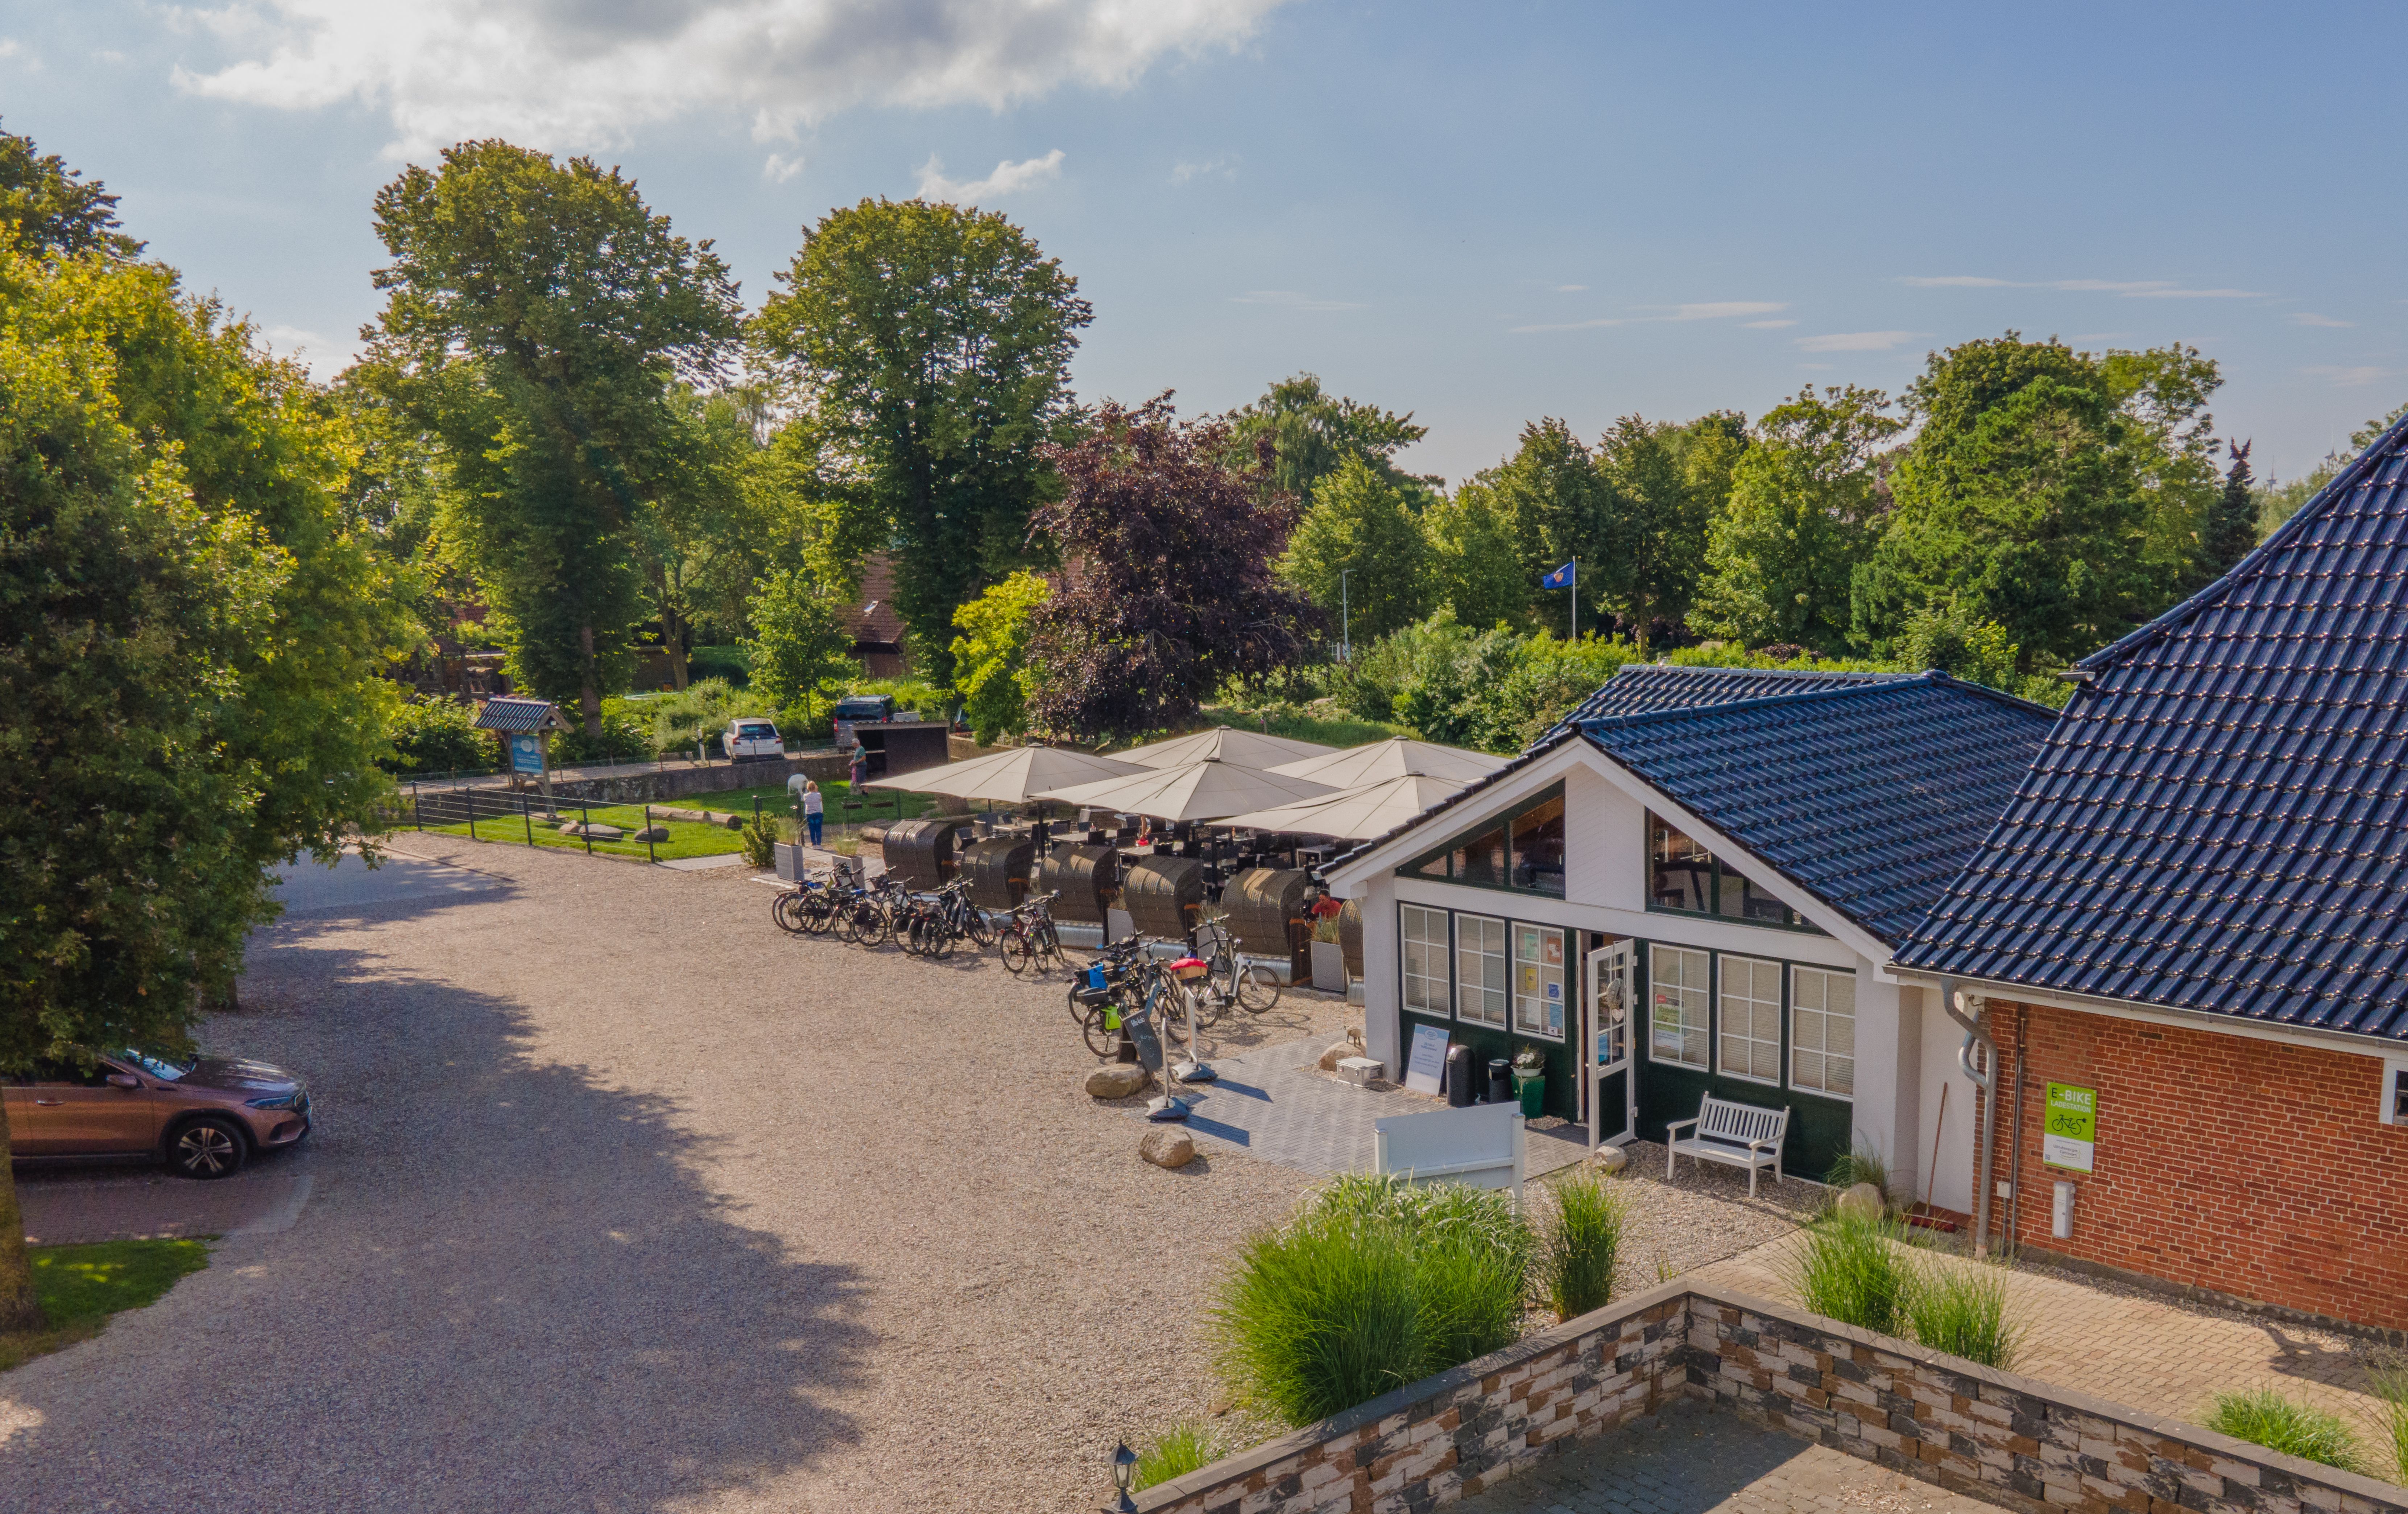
x: 1428, y: 1059
x: 1479, y: 1147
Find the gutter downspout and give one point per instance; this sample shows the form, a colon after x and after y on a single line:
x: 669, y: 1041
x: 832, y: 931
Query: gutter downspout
x: 1955, y: 1002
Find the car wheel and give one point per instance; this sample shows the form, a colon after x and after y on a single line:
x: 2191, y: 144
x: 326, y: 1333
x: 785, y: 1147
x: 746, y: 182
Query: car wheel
x: 210, y: 1147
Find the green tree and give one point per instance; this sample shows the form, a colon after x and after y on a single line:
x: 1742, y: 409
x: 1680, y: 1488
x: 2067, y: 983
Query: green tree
x: 46, y: 207
x: 991, y: 657
x: 1475, y: 550
x: 2162, y: 393
x: 799, y: 649
x: 190, y: 643
x: 1311, y: 432
x: 1655, y: 525
x: 1360, y: 524
x: 536, y: 314
x: 2279, y: 499
x: 1804, y: 509
x: 1552, y: 491
x: 2232, y: 526
x: 935, y: 342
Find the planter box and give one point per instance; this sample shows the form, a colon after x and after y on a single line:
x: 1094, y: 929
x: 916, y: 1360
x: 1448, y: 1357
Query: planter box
x: 789, y: 865
x: 1330, y: 966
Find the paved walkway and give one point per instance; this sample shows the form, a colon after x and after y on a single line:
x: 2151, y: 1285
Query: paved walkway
x: 1691, y: 1459
x: 70, y: 1210
x: 2128, y: 1346
x: 1271, y: 1104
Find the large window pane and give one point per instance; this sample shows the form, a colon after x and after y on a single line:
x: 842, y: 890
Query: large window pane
x: 1539, y: 848
x: 1751, y: 1019
x: 1424, y: 938
x: 1680, y: 873
x: 1677, y: 1014
x: 1479, y: 970
x: 1741, y: 900
x: 1482, y: 858
x: 1538, y: 994
x: 1823, y: 1031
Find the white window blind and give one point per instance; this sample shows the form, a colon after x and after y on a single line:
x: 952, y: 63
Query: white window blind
x: 1479, y: 970
x: 1424, y: 938
x: 1678, y: 1014
x: 1823, y: 1031
x: 1752, y: 1019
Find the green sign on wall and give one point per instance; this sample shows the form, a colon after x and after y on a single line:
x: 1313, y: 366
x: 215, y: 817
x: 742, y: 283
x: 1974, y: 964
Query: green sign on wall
x: 2070, y: 1137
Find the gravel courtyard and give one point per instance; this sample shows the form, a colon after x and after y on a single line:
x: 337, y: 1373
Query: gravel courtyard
x: 624, y: 1201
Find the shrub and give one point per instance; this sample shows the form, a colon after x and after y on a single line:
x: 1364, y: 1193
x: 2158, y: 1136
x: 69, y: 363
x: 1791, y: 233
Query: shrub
x: 626, y: 737
x: 1376, y: 1284
x: 2268, y: 1418
x: 1964, y: 1313
x: 2391, y: 1387
x: 1578, y: 1246
x: 438, y: 735
x: 1176, y: 1453
x: 1852, y: 1270
x: 760, y: 837
x: 1861, y: 1165
x: 728, y: 664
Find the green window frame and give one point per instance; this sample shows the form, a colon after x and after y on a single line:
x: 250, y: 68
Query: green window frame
x: 1519, y: 851
x: 1683, y: 877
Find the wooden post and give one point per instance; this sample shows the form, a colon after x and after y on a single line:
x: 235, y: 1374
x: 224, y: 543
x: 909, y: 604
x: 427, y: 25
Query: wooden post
x: 649, y: 851
x: 526, y: 818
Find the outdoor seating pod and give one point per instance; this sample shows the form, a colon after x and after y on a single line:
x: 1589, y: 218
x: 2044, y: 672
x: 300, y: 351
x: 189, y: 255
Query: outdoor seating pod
x: 1164, y: 896
x: 1259, y: 903
x: 1088, y: 877
x: 1350, y: 936
x: 998, y: 869
x: 921, y: 853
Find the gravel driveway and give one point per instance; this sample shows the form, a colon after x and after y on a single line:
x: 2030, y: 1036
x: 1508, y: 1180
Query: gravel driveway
x: 624, y: 1201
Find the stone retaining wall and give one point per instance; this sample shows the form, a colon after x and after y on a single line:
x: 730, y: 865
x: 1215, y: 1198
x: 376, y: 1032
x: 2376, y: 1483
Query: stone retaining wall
x: 643, y: 785
x: 2007, y: 1439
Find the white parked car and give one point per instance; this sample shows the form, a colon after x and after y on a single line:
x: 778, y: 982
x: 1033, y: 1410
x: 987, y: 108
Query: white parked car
x: 752, y: 737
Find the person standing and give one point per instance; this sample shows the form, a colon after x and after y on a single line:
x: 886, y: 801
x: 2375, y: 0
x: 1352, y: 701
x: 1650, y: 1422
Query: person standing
x: 813, y: 807
x: 860, y: 767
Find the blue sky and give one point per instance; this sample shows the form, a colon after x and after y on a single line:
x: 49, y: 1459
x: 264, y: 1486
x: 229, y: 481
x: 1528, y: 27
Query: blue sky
x: 1482, y: 215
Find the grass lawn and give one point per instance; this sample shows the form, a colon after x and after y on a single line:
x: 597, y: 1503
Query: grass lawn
x: 81, y: 1286
x: 775, y: 801
x: 687, y: 838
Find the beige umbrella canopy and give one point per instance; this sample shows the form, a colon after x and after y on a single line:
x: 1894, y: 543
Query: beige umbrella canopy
x: 1249, y: 748
x: 1012, y: 777
x: 1355, y: 813
x: 1202, y: 790
x: 1392, y: 758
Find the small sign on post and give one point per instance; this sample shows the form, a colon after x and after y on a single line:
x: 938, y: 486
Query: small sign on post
x: 1428, y: 1059
x: 2070, y: 1136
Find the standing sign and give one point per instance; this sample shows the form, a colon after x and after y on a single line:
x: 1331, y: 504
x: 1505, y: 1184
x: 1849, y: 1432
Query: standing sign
x: 1428, y: 1059
x: 526, y: 751
x: 2070, y: 1137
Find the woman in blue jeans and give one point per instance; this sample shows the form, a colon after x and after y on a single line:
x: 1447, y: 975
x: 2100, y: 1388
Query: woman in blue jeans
x: 813, y: 807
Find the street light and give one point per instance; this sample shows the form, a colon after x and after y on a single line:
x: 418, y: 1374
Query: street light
x: 1124, y: 1474
x: 1345, y: 619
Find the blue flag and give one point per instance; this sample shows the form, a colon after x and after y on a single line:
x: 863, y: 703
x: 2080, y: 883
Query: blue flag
x: 1560, y: 579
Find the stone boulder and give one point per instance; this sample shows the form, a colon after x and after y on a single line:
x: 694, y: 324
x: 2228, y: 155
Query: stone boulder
x: 1865, y: 1200
x: 1117, y: 1080
x: 1168, y: 1148
x: 1610, y: 1159
x: 1343, y: 1049
x: 653, y: 833
x: 596, y: 833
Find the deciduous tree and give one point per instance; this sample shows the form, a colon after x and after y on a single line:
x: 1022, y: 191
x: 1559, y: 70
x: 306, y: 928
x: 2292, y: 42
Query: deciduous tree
x: 1313, y: 431
x: 1552, y: 490
x: 46, y: 207
x: 800, y: 650
x: 1360, y: 526
x: 991, y: 655
x: 1475, y: 552
x: 1654, y: 545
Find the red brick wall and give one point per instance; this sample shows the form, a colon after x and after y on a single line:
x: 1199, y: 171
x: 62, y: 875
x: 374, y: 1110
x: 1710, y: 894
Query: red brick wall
x: 2254, y: 1168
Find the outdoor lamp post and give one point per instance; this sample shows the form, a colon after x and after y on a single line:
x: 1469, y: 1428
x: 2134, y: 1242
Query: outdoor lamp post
x: 1345, y: 619
x: 1123, y: 1472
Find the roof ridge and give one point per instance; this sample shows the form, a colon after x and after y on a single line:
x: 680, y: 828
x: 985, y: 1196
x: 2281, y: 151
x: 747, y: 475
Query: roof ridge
x: 2327, y: 499
x: 1868, y: 674
x: 1687, y: 712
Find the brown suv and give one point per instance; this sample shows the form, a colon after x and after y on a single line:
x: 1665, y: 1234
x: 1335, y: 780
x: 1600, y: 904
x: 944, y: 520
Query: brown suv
x: 204, y: 1116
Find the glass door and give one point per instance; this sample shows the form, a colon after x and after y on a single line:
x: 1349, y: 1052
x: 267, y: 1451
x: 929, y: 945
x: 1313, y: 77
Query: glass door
x: 1612, y: 1090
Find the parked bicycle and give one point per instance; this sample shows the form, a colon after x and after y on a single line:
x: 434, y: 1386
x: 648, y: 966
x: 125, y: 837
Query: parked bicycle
x: 1231, y: 979
x: 1027, y: 938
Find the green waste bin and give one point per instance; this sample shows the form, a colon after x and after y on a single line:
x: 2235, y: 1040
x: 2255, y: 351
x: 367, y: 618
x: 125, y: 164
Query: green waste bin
x: 1532, y: 1089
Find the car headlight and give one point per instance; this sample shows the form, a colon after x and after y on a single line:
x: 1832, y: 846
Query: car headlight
x: 282, y: 1100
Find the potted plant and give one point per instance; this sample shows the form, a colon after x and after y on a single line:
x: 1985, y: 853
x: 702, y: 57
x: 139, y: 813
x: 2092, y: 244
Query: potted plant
x: 1530, y: 1080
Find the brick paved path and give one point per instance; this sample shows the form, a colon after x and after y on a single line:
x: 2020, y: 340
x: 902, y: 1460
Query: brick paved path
x: 1691, y: 1459
x: 2128, y: 1347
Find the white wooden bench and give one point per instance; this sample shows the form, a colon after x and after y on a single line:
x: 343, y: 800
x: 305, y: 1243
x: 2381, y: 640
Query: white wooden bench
x: 1734, y: 1134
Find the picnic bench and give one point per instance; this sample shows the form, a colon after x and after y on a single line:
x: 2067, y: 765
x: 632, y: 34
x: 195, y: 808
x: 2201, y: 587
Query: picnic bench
x: 1734, y: 1134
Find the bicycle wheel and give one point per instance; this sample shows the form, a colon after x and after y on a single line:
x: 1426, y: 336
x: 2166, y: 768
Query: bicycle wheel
x: 1015, y: 950
x: 942, y: 934
x: 975, y: 926
x: 1101, y: 1040
x: 819, y: 912
x: 1257, y: 989
x: 847, y: 923
x: 783, y: 910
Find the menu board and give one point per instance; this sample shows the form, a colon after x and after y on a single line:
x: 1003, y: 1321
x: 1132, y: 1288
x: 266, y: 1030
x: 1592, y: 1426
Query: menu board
x: 1429, y: 1061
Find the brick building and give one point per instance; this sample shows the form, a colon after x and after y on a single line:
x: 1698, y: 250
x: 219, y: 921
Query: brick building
x: 2193, y: 919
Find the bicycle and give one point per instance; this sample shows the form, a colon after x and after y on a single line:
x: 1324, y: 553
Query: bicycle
x: 1095, y: 996
x: 1232, y: 980
x: 867, y: 916
x: 1028, y: 938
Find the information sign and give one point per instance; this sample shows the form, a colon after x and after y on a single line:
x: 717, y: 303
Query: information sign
x: 2070, y: 1137
x: 526, y: 752
x: 1429, y: 1061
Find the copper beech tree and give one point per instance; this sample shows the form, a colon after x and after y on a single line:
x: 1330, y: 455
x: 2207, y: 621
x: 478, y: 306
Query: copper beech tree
x: 1166, y: 588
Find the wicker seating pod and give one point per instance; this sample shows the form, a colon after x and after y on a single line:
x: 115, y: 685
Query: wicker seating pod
x: 1086, y: 876
x: 1164, y: 896
x: 1350, y: 936
x: 1259, y: 903
x: 998, y: 869
x: 922, y: 852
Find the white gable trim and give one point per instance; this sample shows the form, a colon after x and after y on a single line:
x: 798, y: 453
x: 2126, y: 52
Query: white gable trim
x: 1350, y: 877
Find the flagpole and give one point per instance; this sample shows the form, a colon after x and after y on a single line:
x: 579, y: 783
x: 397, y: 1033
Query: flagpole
x: 1576, y: 601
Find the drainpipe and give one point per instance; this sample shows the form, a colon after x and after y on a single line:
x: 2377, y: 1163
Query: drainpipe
x: 1957, y: 1003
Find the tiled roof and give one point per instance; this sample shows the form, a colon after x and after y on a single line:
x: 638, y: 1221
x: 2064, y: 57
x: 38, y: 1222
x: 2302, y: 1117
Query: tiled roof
x: 2219, y: 822
x: 875, y: 619
x: 509, y: 715
x: 1643, y: 687
x: 1871, y: 795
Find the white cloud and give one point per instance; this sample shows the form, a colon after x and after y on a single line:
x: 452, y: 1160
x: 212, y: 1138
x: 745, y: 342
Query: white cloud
x: 1293, y: 300
x: 778, y: 167
x: 1007, y: 179
x: 1708, y: 311
x: 1224, y: 166
x: 1857, y: 342
x: 1725, y: 309
x: 574, y: 74
x: 2126, y: 288
x: 2305, y: 318
x: 1571, y: 289
x: 2350, y: 378
x: 1767, y: 325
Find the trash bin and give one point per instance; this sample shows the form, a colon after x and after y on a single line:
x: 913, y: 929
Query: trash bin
x: 1532, y: 1089
x: 1459, y: 1065
x: 1500, y: 1082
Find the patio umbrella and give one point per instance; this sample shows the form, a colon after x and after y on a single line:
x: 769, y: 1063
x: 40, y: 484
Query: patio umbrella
x: 1200, y: 790
x: 1248, y: 747
x: 1355, y: 813
x: 1010, y: 777
x: 1392, y: 758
